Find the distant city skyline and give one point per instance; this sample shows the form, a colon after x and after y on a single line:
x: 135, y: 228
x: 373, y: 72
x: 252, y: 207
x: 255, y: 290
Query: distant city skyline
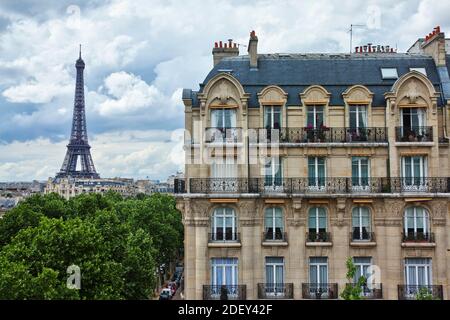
x: 140, y: 54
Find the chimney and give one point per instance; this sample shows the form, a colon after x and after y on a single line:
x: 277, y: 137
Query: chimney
x: 223, y: 50
x: 253, y: 50
x: 433, y: 45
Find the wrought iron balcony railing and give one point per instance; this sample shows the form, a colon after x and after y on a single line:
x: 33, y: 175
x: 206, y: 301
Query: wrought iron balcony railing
x: 225, y: 292
x: 320, y: 236
x: 278, y: 235
x: 223, y: 135
x: 314, y: 185
x: 418, y: 237
x: 275, y: 291
x: 375, y: 292
x: 320, y: 290
x: 413, y: 292
x: 414, y: 134
x: 224, y: 237
x: 358, y: 235
x: 322, y: 135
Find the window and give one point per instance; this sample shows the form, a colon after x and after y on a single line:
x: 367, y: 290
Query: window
x: 360, y: 172
x: 272, y: 117
x: 224, y: 168
x: 413, y: 118
x: 316, y: 173
x: 362, y: 265
x: 224, y: 272
x: 224, y: 225
x: 417, y: 272
x: 358, y: 116
x: 418, y: 69
x: 414, y: 172
x: 416, y: 223
x: 273, y: 172
x: 223, y: 118
x: 273, y: 222
x: 361, y: 223
x: 314, y: 117
x: 317, y: 224
x: 274, y: 275
x: 318, y: 274
x: 389, y: 73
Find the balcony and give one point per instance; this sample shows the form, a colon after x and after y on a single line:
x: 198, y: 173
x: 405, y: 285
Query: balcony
x: 323, y: 135
x: 362, y: 239
x: 275, y: 291
x: 318, y: 239
x: 376, y: 292
x: 412, y: 292
x: 314, y: 186
x: 223, y: 135
x: 224, y: 237
x: 225, y: 292
x: 320, y: 290
x: 414, y: 134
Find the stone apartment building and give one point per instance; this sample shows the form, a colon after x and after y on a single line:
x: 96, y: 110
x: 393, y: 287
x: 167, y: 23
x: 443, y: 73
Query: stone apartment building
x: 295, y: 162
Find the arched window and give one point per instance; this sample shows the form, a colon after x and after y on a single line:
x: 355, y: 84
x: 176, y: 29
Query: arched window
x: 417, y: 225
x: 317, y: 224
x: 224, y: 225
x: 273, y: 224
x: 361, y: 225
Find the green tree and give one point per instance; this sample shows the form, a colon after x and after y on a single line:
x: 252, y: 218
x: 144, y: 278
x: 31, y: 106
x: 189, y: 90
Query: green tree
x: 352, y: 291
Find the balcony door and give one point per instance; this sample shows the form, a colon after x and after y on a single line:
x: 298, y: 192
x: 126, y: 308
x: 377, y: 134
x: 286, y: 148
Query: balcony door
x: 316, y: 173
x: 314, y: 117
x: 272, y: 122
x: 273, y: 223
x: 274, y: 276
x: 416, y: 223
x: 361, y: 224
x: 358, y: 123
x: 414, y: 172
x: 362, y: 265
x: 317, y: 224
x: 224, y: 272
x: 360, y: 173
x: 318, y: 276
x: 224, y: 172
x: 273, y: 174
x: 417, y: 274
x: 224, y: 225
x: 223, y: 123
x: 412, y: 119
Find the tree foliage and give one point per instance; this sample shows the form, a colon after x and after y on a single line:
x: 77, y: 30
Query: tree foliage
x: 117, y: 243
x: 352, y: 290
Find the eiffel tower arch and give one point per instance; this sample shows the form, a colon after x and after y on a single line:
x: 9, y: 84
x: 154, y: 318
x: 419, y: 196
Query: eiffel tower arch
x: 78, y: 148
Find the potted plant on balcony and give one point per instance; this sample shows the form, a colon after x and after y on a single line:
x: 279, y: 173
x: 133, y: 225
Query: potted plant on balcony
x: 321, y: 134
x: 309, y: 132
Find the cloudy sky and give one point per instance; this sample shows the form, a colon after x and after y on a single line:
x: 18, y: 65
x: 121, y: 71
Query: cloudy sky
x: 139, y: 55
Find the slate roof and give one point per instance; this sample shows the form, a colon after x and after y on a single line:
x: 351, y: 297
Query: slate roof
x: 335, y: 72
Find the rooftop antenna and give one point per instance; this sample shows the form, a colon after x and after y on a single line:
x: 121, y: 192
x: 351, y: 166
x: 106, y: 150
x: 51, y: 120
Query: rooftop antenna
x: 351, y: 33
x: 80, y: 50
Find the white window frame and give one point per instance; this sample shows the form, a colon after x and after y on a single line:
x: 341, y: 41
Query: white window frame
x: 271, y: 111
x: 360, y: 219
x: 273, y: 217
x: 276, y: 288
x: 423, y: 168
x: 425, y: 220
x: 356, y: 109
x: 316, y: 216
x: 428, y: 269
x: 221, y: 212
x: 314, y: 110
x: 316, y: 186
x: 222, y: 267
x: 273, y: 171
x: 359, y: 186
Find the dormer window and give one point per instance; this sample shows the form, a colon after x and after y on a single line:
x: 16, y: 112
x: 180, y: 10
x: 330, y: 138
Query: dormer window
x: 389, y: 73
x: 421, y: 70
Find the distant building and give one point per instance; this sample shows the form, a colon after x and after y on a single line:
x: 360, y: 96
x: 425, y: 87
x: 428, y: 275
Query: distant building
x: 13, y: 192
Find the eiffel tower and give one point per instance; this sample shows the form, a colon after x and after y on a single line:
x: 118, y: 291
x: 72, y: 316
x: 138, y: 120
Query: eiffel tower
x: 78, y: 147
